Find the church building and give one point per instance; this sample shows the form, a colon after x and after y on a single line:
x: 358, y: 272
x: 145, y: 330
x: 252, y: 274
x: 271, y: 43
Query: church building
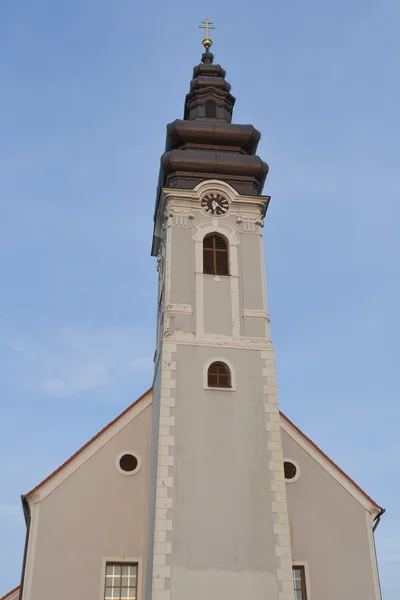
x: 202, y: 489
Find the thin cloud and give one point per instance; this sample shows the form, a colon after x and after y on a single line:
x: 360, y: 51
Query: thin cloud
x: 137, y: 364
x: 75, y: 361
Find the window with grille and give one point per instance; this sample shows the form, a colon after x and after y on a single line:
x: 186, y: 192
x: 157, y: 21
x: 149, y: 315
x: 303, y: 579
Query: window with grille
x: 219, y: 376
x: 299, y: 582
x: 215, y: 255
x: 121, y: 581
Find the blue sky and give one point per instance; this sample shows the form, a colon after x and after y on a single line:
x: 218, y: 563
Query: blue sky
x: 87, y: 90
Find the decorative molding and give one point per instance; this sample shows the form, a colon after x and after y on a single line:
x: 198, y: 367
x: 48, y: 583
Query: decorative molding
x: 190, y: 338
x: 178, y: 216
x: 180, y: 219
x: 241, y: 203
x: 179, y: 309
x: 249, y: 313
x: 221, y: 226
x: 252, y: 225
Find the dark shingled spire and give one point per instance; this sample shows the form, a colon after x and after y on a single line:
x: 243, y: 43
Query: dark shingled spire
x: 206, y: 144
x: 209, y: 96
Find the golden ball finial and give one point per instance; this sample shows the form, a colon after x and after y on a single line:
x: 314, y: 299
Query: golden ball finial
x: 206, y: 25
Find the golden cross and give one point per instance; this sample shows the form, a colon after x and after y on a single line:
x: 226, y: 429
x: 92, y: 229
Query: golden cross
x: 207, y: 25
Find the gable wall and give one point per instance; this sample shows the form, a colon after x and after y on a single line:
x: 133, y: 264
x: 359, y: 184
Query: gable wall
x: 96, y: 513
x: 328, y: 530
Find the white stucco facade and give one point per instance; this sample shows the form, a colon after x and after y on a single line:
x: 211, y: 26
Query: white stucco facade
x: 88, y: 513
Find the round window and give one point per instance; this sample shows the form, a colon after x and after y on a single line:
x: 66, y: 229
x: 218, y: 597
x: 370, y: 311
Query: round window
x: 291, y: 470
x: 128, y: 463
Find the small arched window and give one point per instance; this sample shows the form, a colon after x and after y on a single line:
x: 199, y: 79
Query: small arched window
x: 215, y: 255
x: 211, y: 109
x: 219, y: 375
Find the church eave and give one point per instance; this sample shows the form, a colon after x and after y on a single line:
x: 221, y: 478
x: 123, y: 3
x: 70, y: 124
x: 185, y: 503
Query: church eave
x: 378, y: 509
x: 210, y: 134
x: 9, y: 594
x: 204, y: 84
x: 245, y: 173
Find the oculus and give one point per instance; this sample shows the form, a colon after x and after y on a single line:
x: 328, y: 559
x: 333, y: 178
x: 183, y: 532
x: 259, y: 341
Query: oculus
x: 215, y: 204
x: 290, y: 470
x: 128, y: 463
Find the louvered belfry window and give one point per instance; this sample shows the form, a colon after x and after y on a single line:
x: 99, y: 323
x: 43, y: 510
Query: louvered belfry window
x: 219, y: 376
x: 215, y: 255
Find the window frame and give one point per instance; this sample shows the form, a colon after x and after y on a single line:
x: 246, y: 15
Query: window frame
x: 228, y: 364
x: 128, y: 473
x: 214, y: 250
x: 120, y: 563
x: 218, y: 375
x: 126, y: 560
x: 296, y: 464
x: 301, y: 564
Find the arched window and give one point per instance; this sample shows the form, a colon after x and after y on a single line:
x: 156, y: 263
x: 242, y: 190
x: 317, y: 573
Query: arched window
x: 215, y: 255
x: 211, y: 109
x: 219, y: 375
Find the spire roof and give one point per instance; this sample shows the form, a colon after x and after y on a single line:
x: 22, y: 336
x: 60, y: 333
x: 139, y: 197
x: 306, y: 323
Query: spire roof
x: 205, y: 144
x: 209, y: 95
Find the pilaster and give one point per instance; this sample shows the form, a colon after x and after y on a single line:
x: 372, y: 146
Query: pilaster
x: 278, y: 487
x: 161, y: 582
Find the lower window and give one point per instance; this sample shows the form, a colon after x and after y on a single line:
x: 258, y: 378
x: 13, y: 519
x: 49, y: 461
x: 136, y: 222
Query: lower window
x: 121, y: 581
x: 299, y: 582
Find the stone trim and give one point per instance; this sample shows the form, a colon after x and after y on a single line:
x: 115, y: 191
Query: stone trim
x: 249, y: 313
x: 161, y: 582
x: 283, y: 551
x: 217, y: 340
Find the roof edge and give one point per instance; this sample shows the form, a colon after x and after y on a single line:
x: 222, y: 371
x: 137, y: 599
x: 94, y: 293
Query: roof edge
x: 10, y: 593
x: 326, y: 457
x: 142, y: 397
x: 69, y: 460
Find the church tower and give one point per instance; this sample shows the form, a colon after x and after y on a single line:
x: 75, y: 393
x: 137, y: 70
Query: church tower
x: 218, y: 515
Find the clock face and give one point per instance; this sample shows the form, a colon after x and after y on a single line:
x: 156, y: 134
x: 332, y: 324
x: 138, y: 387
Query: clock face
x: 215, y: 204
